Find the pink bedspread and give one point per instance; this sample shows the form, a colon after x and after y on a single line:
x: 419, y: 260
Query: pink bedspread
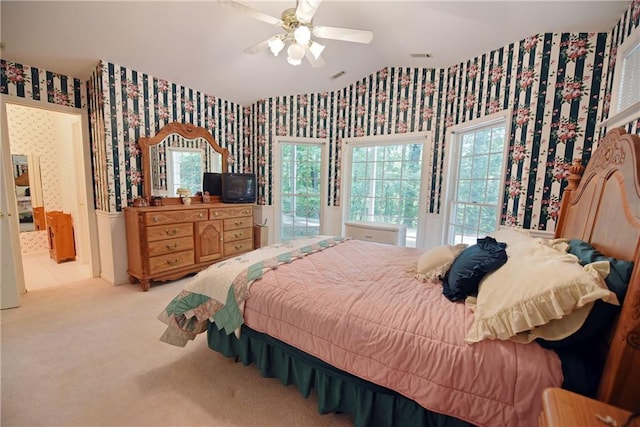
x: 356, y: 307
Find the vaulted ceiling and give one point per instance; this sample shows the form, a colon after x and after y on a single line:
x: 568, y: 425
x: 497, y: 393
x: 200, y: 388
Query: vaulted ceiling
x: 200, y: 44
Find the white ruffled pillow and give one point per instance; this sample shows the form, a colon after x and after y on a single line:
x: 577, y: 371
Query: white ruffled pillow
x: 435, y: 263
x: 537, y: 285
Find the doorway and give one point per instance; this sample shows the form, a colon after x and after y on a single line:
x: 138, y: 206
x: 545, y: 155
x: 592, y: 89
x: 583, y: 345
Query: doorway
x: 49, y: 144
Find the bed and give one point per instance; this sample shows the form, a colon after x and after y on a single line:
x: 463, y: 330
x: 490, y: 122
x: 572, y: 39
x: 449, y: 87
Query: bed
x: 352, y: 321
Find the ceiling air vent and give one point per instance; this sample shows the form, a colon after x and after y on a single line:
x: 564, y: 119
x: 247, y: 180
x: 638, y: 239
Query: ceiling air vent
x: 338, y: 75
x: 420, y: 55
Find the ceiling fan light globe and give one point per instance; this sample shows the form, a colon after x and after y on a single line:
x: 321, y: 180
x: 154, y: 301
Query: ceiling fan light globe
x: 276, y: 45
x: 295, y: 51
x: 316, y: 49
x: 294, y: 62
x: 302, y: 35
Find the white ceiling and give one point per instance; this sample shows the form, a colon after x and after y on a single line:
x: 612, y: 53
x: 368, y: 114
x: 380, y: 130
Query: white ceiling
x: 200, y: 44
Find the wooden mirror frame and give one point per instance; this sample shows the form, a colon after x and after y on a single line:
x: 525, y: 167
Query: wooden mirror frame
x: 185, y: 130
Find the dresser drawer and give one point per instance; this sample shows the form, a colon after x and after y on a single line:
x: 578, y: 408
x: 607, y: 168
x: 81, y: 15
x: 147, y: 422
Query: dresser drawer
x: 238, y: 247
x: 162, y: 263
x: 172, y: 217
x: 170, y: 246
x: 236, y: 223
x: 238, y: 234
x: 169, y: 231
x: 222, y: 213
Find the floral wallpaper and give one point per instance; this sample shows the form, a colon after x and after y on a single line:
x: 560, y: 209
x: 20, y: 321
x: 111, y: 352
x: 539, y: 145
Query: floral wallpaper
x: 556, y: 85
x: 125, y: 104
x: 24, y: 81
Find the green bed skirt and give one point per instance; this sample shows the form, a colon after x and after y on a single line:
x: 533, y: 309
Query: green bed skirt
x: 337, y: 391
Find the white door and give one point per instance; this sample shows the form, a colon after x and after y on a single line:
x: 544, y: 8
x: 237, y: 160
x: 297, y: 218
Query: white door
x: 9, y: 296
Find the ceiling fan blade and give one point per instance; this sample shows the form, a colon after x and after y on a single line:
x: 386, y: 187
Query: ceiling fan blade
x: 315, y: 63
x: 251, y: 12
x: 258, y: 48
x: 344, y: 34
x: 306, y: 9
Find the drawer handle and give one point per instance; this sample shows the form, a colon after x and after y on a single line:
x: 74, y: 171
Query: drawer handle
x: 171, y: 232
x: 173, y: 262
x: 171, y: 247
x: 238, y: 234
x: 238, y: 247
x: 368, y: 236
x: 216, y: 213
x: 201, y: 215
x: 155, y: 218
x: 238, y: 222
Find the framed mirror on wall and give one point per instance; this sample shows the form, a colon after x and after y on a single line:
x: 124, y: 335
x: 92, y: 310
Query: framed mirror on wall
x: 28, y: 188
x: 177, y: 157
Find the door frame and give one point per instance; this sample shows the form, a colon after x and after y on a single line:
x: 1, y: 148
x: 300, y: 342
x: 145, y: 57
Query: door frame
x: 88, y: 230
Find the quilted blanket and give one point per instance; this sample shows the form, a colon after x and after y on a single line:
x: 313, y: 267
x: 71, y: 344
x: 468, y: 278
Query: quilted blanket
x: 356, y: 307
x: 218, y: 293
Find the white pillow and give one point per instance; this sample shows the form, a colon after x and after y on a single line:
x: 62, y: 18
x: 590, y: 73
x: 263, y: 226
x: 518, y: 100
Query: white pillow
x: 536, y: 285
x: 435, y: 263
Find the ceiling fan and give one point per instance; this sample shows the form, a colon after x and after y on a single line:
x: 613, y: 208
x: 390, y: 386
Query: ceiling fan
x: 298, y: 27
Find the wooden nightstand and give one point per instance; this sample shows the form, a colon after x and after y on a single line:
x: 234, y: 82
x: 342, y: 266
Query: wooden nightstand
x: 564, y: 408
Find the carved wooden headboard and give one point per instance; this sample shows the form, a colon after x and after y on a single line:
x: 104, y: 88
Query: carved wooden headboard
x: 604, y: 210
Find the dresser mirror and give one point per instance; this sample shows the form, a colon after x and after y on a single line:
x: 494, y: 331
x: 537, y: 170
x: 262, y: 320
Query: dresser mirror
x: 176, y: 157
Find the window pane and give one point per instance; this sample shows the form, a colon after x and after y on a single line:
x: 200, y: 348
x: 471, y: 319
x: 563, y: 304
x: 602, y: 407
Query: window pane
x: 300, y: 204
x: 629, y: 91
x: 456, y: 235
x: 478, y: 181
x: 483, y: 141
x: 464, y: 188
x: 459, y: 214
x: 497, y: 139
x: 471, y: 216
x: 467, y: 145
x: 391, y: 192
x: 495, y: 166
x: 493, y: 192
x: 477, y: 191
x: 480, y: 165
x: 465, y: 167
x: 488, y: 220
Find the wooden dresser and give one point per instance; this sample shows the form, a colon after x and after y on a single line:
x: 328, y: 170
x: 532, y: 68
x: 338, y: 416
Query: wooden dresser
x: 169, y: 242
x: 60, y: 234
x: 562, y: 408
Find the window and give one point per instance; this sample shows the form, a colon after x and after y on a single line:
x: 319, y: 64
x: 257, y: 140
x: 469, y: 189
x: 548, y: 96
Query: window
x: 300, y: 187
x: 184, y: 170
x: 385, y: 183
x: 625, y: 92
x: 476, y: 182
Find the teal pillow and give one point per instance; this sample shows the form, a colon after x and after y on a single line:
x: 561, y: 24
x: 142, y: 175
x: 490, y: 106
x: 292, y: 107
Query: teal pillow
x: 603, y: 314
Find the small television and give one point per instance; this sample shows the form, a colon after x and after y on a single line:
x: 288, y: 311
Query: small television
x: 212, y: 182
x: 238, y: 188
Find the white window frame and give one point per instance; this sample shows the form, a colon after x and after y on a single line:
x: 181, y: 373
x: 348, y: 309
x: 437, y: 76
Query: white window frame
x: 450, y: 173
x: 620, y: 118
x: 277, y: 176
x: 404, y: 138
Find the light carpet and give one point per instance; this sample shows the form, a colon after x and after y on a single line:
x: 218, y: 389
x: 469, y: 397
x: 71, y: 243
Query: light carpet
x: 88, y: 354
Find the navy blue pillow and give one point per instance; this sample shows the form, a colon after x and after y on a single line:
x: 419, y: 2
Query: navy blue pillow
x: 468, y: 269
x: 602, y: 315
